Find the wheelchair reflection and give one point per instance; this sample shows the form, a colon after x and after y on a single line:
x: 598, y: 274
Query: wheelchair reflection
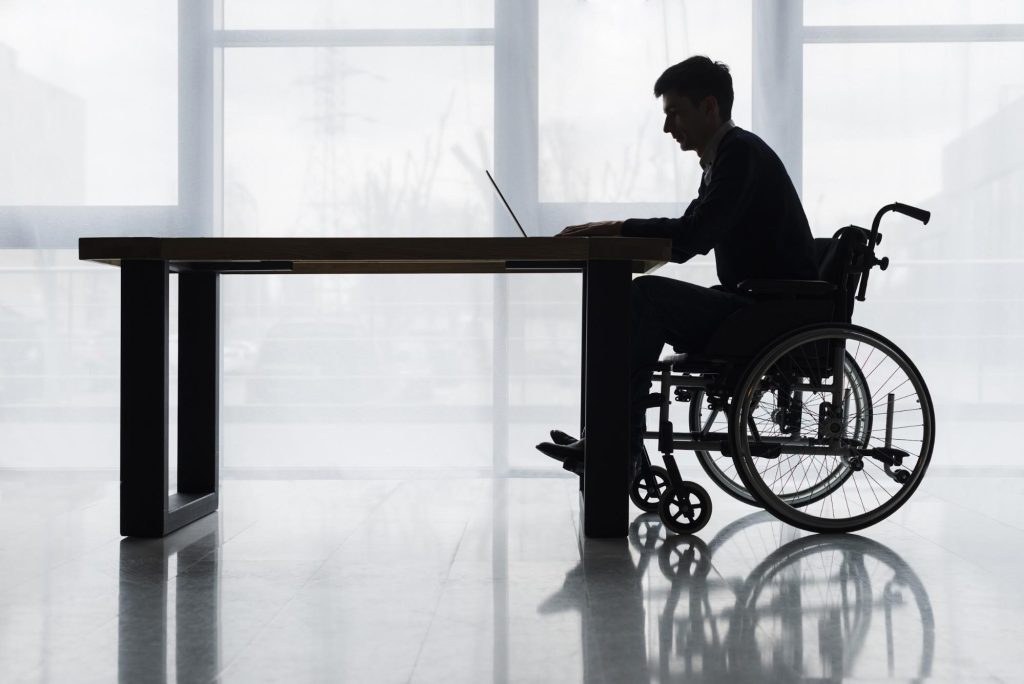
x: 761, y: 601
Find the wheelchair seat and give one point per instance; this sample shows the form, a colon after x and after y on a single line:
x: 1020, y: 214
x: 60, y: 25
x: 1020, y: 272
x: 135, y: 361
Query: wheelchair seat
x: 780, y: 306
x: 688, y: 362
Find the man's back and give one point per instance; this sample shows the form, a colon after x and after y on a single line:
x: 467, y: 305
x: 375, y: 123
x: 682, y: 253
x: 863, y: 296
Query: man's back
x: 771, y: 238
x: 748, y: 212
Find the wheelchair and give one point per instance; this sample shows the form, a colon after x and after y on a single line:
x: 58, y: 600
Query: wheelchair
x: 826, y: 425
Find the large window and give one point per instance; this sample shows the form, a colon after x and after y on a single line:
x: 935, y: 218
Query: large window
x: 90, y: 103
x: 918, y: 104
x: 601, y: 136
x: 247, y: 117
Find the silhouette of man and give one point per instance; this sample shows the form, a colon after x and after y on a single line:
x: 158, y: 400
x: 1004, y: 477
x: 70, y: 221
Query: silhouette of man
x: 746, y: 210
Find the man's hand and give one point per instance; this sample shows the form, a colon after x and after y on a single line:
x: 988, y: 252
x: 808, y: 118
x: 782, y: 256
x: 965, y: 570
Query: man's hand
x: 595, y: 228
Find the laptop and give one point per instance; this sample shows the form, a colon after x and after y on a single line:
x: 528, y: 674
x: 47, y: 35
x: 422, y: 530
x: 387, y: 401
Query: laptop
x: 491, y: 178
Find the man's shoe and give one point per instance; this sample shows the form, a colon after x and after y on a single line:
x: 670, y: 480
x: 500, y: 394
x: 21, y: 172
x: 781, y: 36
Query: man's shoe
x: 561, y: 452
x: 562, y: 439
x: 571, y: 455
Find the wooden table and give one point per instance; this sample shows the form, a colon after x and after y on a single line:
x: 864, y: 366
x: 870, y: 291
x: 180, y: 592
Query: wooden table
x: 147, y: 510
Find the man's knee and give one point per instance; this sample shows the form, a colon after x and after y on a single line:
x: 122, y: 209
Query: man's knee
x: 641, y: 300
x: 643, y: 290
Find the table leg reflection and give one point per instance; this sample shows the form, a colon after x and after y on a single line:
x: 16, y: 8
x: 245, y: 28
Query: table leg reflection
x: 144, y: 578
x: 606, y: 588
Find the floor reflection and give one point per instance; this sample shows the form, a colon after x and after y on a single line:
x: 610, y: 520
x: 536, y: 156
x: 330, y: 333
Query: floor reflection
x: 145, y: 580
x: 760, y: 601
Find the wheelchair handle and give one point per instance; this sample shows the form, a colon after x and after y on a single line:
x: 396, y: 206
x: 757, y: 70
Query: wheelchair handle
x: 921, y: 215
x: 871, y: 261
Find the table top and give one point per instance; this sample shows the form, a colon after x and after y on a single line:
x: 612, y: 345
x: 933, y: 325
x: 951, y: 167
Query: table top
x: 378, y: 255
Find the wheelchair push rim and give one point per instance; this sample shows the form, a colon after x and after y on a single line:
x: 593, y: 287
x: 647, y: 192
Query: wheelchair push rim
x: 721, y: 467
x: 878, y: 474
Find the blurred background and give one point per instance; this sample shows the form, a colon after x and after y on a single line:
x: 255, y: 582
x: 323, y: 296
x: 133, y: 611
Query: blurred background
x: 317, y: 118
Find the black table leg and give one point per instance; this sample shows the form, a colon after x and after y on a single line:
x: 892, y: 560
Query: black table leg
x: 605, y: 502
x: 147, y: 510
x: 583, y: 359
x: 144, y: 293
x: 583, y: 367
x: 198, y: 402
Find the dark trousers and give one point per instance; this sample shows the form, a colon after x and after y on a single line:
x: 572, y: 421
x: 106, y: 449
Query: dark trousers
x: 665, y: 310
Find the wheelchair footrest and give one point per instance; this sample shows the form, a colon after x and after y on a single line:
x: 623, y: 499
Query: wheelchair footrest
x: 887, y: 455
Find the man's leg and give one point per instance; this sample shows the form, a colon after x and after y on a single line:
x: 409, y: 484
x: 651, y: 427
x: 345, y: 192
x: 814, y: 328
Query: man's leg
x: 663, y: 309
x: 660, y: 309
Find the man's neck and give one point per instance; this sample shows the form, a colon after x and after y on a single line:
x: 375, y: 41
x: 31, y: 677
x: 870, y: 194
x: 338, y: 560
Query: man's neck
x: 706, y: 153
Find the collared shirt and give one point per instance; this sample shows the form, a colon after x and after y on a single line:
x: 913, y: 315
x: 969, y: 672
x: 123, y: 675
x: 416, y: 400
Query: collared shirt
x: 711, y: 150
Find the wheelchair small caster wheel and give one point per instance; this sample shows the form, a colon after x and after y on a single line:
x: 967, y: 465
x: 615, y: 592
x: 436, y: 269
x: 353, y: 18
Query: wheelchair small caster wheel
x: 685, y: 510
x: 901, y: 475
x: 646, y: 492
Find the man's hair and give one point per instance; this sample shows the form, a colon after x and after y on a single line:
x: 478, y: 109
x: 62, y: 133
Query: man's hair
x: 696, y: 78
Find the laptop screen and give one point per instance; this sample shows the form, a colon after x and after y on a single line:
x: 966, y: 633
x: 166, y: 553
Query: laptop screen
x: 498, y: 190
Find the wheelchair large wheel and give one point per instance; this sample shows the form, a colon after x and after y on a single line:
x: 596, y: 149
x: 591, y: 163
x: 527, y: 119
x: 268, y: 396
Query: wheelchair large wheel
x: 863, y: 458
x: 721, y: 467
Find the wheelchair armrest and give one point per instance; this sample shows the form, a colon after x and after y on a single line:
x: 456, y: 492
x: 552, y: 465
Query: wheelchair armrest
x: 760, y: 288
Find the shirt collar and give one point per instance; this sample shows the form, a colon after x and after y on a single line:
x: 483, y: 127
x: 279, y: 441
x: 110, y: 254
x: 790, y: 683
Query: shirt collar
x: 711, y: 151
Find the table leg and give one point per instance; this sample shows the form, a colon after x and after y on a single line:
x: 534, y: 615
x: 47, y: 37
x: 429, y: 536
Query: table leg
x: 583, y: 360
x: 144, y: 294
x: 198, y: 396
x: 605, y: 497
x: 147, y: 510
x: 583, y: 367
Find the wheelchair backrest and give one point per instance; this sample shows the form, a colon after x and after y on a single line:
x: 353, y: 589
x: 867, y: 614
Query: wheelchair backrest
x: 839, y: 260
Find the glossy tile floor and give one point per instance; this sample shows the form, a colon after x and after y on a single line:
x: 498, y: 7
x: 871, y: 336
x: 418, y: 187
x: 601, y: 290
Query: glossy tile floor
x: 485, y: 580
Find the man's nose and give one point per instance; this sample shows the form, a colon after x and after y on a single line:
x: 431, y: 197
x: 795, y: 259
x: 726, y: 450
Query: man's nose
x: 665, y: 128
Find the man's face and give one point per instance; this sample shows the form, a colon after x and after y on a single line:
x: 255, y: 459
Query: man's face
x: 691, y: 125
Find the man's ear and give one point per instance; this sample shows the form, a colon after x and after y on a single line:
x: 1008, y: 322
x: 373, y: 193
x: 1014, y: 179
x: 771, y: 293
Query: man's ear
x: 710, y: 105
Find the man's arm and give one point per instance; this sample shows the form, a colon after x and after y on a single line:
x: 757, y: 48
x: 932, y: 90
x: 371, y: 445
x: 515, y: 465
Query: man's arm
x: 711, y: 218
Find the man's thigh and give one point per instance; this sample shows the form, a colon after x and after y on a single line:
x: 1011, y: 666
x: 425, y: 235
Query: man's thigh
x: 687, y: 314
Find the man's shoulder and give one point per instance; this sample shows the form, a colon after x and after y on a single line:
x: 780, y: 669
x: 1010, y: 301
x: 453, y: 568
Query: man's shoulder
x: 741, y: 137
x: 740, y: 143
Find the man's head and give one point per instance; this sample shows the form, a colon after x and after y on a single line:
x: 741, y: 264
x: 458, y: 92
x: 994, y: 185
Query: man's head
x: 697, y: 98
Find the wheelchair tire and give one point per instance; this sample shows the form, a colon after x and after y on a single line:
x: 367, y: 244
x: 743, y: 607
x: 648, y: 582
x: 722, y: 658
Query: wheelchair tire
x: 871, y: 466
x: 640, y: 493
x: 721, y: 467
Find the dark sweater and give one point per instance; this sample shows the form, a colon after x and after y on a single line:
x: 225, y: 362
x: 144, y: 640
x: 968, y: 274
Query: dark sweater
x: 749, y: 214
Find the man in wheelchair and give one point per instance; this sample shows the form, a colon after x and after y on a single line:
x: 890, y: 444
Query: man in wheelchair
x: 826, y: 424
x: 746, y: 210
